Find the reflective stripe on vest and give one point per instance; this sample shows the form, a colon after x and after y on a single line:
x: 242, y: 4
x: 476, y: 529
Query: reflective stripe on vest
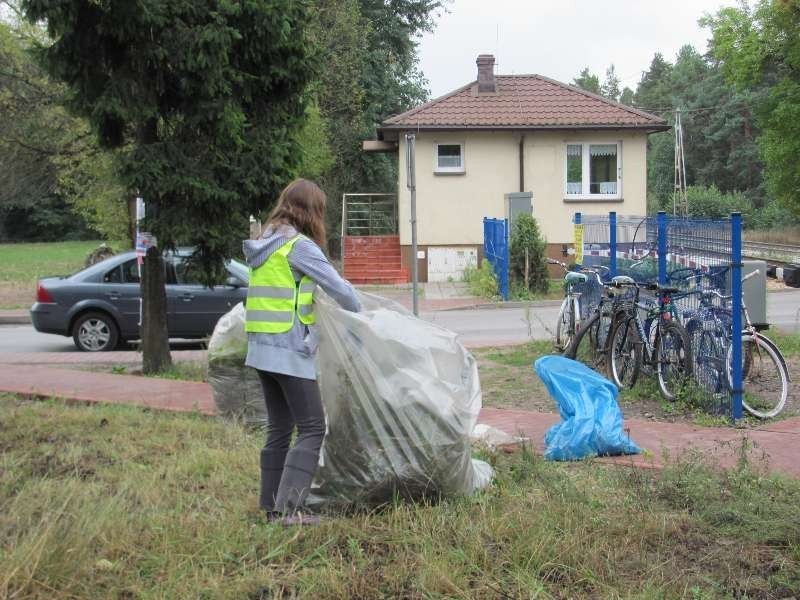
x: 274, y: 297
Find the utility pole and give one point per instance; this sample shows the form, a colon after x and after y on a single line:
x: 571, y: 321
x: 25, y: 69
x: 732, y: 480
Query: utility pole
x: 411, y: 183
x: 680, y: 202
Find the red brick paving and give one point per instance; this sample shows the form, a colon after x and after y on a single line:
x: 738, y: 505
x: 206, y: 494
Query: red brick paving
x: 776, y: 443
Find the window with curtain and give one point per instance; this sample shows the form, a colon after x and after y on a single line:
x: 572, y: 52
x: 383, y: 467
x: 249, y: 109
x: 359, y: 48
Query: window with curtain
x: 592, y: 170
x: 574, y: 168
x: 603, y: 169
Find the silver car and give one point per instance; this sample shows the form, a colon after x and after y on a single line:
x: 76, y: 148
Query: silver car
x: 100, y: 305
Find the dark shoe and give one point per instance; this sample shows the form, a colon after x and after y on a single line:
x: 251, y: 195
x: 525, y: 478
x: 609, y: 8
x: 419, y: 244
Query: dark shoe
x: 272, y: 516
x: 301, y: 519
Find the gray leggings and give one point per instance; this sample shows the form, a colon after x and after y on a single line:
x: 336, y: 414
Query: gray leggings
x: 286, y: 474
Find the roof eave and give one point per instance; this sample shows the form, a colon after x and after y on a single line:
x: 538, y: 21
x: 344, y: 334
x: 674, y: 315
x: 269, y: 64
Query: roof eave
x: 648, y: 127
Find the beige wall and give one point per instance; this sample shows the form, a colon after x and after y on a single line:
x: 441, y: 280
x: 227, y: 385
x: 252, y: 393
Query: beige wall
x: 450, y: 208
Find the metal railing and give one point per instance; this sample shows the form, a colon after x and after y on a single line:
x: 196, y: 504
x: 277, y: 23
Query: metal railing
x: 369, y: 214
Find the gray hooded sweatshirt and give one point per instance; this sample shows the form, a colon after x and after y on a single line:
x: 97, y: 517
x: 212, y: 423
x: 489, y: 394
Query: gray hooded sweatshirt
x: 293, y: 353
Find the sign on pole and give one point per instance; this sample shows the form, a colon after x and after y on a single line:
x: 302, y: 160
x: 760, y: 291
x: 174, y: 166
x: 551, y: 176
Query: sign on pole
x: 578, y: 242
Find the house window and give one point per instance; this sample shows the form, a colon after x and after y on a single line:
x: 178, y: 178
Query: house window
x: 593, y: 171
x: 449, y: 158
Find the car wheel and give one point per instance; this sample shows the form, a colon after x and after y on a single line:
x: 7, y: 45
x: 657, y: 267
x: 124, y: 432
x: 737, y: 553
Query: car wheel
x: 95, y: 332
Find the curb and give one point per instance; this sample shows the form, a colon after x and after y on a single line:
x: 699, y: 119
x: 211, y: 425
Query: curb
x: 15, y: 319
x: 503, y: 305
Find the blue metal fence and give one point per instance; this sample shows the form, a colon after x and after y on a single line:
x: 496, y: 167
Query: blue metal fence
x: 495, y: 250
x: 696, y: 256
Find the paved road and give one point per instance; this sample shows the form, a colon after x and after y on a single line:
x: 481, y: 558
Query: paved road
x: 510, y: 326
x: 477, y: 327
x: 24, y: 338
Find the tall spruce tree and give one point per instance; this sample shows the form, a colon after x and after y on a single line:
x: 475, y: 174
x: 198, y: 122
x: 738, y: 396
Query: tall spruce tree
x: 205, y: 99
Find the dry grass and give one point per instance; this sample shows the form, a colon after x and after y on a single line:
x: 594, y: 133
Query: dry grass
x: 116, y: 502
x: 782, y: 235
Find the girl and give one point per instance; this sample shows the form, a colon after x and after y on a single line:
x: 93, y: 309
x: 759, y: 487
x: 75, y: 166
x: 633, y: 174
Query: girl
x: 286, y: 265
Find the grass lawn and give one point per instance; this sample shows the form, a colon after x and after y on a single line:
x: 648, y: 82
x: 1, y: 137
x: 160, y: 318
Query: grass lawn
x: 119, y: 502
x: 22, y: 264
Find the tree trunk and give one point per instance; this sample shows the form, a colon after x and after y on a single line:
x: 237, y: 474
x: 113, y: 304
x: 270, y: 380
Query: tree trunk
x: 527, y: 269
x: 132, y: 219
x: 155, y: 339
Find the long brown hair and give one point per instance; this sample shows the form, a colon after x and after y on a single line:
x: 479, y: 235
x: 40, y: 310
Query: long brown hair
x: 302, y: 205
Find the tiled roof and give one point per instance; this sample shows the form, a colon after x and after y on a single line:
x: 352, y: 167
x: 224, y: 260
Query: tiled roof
x: 523, y: 101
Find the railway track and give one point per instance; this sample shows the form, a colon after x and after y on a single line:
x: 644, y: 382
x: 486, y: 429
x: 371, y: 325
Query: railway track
x: 780, y: 254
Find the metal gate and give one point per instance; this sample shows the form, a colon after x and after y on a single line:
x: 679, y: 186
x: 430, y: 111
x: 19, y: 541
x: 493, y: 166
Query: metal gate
x: 495, y: 250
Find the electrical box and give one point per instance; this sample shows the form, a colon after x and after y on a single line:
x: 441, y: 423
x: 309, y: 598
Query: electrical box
x: 754, y: 291
x: 448, y: 264
x: 518, y: 203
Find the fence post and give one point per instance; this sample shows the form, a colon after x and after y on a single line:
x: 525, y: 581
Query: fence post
x: 662, y: 247
x: 506, y: 262
x: 612, y: 243
x: 736, y: 308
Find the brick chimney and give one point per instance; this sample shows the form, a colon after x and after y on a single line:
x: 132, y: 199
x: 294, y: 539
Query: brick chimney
x: 486, y: 81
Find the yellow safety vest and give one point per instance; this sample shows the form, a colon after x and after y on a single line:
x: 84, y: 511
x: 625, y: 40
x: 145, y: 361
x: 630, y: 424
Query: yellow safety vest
x: 274, y: 297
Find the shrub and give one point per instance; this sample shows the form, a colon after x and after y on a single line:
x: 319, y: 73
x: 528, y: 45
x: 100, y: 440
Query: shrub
x: 709, y: 202
x: 528, y: 245
x: 481, y: 280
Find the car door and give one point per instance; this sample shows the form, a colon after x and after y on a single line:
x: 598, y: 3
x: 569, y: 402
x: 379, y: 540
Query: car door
x: 120, y: 287
x: 195, y: 308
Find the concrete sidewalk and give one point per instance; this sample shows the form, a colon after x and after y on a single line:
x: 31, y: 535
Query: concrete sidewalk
x: 778, y: 444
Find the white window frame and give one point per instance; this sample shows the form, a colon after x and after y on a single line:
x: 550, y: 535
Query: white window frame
x: 448, y: 170
x: 586, y: 170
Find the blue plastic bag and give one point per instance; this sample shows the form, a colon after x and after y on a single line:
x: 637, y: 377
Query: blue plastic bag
x: 591, y: 419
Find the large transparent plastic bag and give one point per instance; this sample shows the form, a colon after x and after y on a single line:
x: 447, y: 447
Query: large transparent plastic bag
x: 402, y: 397
x: 236, y: 388
x: 587, y: 402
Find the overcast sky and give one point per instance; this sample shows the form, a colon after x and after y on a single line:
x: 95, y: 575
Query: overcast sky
x: 558, y: 38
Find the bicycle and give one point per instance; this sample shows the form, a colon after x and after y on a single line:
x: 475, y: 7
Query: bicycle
x: 667, y: 349
x: 569, y: 315
x: 765, y: 376
x: 590, y: 345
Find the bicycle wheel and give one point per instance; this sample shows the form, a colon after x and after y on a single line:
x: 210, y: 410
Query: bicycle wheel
x: 584, y: 347
x: 625, y: 353
x: 673, y: 358
x: 765, y: 380
x: 709, y: 367
x: 565, y: 328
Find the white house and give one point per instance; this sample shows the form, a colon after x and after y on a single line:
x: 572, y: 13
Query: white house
x: 572, y: 150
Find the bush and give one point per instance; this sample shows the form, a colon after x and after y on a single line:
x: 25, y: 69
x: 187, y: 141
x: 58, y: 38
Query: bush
x: 481, y: 280
x: 526, y: 236
x: 710, y: 202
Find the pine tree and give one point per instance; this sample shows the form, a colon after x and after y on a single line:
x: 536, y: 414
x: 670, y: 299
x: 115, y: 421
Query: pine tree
x: 587, y: 81
x: 610, y: 87
x: 202, y: 99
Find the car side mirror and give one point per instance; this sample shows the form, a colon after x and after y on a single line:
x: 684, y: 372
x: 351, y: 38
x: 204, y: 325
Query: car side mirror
x: 233, y: 282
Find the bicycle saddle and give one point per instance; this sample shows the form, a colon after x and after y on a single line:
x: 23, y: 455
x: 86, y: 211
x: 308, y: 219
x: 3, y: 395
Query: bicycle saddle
x: 622, y: 280
x: 573, y: 277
